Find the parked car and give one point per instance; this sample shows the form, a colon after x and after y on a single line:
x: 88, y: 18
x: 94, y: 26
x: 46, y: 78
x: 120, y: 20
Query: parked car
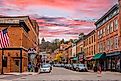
x: 81, y: 67
x: 57, y: 65
x: 62, y: 65
x: 74, y: 66
x: 49, y: 65
x: 45, y: 68
x: 70, y: 66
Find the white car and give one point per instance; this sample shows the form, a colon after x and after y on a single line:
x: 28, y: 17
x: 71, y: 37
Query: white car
x: 81, y: 67
x: 45, y: 68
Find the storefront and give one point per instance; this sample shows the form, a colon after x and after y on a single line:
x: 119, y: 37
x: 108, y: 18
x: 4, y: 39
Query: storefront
x: 89, y: 62
x: 81, y: 57
x: 75, y: 59
x: 100, y: 59
x: 113, y: 61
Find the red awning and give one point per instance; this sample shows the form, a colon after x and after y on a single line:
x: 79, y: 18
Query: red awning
x: 89, y: 58
x: 81, y: 58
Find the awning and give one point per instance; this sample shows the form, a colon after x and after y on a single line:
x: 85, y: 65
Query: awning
x: 90, y: 58
x: 81, y: 58
x: 75, y: 58
x: 99, y: 56
x: 113, y: 53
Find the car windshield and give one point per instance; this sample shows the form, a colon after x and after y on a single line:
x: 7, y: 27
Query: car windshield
x: 48, y: 64
x: 81, y: 65
x: 45, y: 66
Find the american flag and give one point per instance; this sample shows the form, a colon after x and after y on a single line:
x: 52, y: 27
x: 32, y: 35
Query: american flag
x: 4, y: 39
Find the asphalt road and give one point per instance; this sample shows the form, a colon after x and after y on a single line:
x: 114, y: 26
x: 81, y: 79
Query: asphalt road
x: 67, y: 75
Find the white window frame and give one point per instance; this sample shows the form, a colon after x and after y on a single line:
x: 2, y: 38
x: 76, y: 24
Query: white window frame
x: 116, y: 42
x: 115, y: 24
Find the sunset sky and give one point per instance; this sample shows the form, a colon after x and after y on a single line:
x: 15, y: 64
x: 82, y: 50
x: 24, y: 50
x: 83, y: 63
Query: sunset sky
x: 59, y: 18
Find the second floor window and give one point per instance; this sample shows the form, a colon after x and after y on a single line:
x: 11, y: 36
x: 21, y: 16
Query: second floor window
x: 116, y: 42
x: 108, y: 27
x: 115, y: 24
x: 111, y: 27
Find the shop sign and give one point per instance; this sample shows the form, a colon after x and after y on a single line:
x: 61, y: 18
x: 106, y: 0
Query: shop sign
x: 9, y: 21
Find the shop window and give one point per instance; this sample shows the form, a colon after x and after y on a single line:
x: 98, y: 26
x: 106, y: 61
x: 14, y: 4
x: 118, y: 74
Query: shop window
x: 108, y: 44
x: 115, y: 24
x: 111, y: 44
x: 109, y: 63
x: 111, y: 27
x: 17, y: 62
x: 101, y: 33
x: 114, y: 63
x: 92, y: 39
x: 5, y: 62
x: 104, y: 46
x: 116, y: 42
x: 98, y: 34
x: 118, y: 63
x: 108, y: 29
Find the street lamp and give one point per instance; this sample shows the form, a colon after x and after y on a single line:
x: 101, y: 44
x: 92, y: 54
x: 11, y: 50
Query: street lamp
x: 32, y: 54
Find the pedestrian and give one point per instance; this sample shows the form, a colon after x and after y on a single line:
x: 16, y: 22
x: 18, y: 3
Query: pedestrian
x: 99, y: 72
x: 29, y: 66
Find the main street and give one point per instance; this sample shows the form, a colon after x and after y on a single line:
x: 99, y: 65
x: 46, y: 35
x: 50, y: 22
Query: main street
x: 65, y: 74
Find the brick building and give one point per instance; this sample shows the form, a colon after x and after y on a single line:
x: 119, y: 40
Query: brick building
x: 90, y: 48
x: 108, y: 33
x: 23, y: 33
x: 80, y: 48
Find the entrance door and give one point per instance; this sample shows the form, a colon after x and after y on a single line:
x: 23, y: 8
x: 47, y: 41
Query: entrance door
x: 17, y: 65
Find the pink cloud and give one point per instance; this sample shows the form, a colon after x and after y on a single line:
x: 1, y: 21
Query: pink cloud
x: 84, y: 10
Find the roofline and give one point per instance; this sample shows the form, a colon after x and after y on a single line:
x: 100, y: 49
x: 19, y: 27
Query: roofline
x: 89, y: 34
x: 12, y: 16
x: 108, y: 12
x: 17, y: 17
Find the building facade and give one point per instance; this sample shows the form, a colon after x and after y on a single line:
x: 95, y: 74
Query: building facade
x: 23, y: 34
x: 90, y: 48
x: 108, y: 33
x: 80, y: 48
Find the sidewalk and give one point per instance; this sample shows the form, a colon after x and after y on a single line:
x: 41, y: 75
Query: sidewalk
x: 23, y: 73
x: 15, y: 73
x: 106, y: 72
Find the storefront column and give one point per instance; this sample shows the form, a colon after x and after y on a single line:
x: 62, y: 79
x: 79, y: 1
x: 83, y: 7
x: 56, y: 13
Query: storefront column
x: 20, y: 60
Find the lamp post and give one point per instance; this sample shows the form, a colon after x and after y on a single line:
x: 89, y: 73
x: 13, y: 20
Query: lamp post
x: 32, y: 53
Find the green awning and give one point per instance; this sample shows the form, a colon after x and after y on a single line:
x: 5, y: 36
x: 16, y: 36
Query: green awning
x: 75, y: 58
x: 99, y: 56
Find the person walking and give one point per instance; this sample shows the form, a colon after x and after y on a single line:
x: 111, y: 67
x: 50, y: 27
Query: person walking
x: 99, y: 71
x: 29, y: 67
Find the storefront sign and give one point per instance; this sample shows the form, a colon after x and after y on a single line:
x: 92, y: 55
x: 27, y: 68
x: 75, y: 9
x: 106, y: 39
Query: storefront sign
x: 8, y: 21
